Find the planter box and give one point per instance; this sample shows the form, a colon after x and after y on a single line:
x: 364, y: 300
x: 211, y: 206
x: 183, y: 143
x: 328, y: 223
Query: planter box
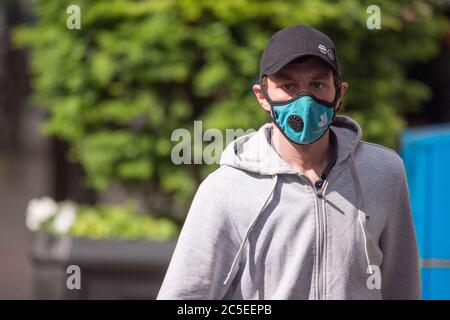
x: 109, y: 269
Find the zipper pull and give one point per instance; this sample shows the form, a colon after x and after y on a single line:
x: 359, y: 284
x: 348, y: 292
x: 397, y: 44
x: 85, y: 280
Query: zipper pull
x: 320, y: 193
x: 319, y: 184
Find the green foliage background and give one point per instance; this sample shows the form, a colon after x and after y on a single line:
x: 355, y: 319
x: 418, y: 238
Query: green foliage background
x: 137, y: 70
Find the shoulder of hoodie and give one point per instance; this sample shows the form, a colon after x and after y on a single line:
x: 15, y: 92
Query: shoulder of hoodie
x: 226, y: 181
x: 380, y: 158
x: 226, y: 176
x: 213, y: 184
x: 214, y: 200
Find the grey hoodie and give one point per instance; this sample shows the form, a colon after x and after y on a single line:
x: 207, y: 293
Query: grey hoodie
x: 258, y: 229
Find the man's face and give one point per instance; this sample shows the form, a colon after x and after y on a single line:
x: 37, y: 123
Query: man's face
x: 311, y: 76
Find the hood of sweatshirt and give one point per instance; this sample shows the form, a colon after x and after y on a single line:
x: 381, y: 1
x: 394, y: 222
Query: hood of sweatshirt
x: 254, y: 153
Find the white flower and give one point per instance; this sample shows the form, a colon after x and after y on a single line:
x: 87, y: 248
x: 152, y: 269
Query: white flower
x: 39, y: 210
x: 65, y: 218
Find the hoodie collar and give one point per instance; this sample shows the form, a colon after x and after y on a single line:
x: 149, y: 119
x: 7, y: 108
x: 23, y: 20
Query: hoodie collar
x: 253, y: 152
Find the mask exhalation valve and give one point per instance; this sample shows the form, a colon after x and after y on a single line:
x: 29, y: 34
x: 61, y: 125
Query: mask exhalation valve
x: 295, y: 122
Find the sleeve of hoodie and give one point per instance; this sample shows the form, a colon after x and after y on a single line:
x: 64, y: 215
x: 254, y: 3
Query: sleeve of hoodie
x: 205, y: 249
x: 400, y: 266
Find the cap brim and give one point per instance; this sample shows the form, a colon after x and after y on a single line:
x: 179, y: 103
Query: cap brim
x: 280, y: 64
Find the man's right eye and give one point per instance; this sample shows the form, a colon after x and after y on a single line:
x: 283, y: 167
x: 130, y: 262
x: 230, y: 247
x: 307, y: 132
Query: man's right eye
x: 290, y: 87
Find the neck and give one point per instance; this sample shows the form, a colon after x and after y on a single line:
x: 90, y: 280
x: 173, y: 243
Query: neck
x: 309, y: 159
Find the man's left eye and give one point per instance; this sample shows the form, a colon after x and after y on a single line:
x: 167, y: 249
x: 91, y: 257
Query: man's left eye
x: 317, y: 85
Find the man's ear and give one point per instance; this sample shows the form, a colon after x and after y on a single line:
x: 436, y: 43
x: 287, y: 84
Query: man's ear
x: 342, y: 88
x: 260, y: 97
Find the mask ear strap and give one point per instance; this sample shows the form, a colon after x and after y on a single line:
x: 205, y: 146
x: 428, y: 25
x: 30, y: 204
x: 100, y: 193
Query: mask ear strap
x: 266, y: 96
x: 338, y: 91
x: 336, y: 97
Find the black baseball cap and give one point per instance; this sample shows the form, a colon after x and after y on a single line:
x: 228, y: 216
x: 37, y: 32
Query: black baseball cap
x: 295, y: 42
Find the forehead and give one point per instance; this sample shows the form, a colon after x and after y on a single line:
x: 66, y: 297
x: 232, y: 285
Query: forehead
x: 310, y: 67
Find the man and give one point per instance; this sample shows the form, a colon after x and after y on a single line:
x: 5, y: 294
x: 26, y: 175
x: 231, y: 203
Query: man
x: 301, y: 209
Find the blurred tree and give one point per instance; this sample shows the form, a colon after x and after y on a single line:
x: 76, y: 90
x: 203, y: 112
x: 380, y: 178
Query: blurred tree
x: 137, y: 70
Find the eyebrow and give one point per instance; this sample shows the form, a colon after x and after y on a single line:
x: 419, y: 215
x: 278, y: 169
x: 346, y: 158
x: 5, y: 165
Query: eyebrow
x: 282, y: 76
x: 320, y: 76
x: 286, y: 76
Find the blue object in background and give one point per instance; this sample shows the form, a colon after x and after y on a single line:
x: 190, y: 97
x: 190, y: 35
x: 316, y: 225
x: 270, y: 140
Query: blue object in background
x: 426, y: 154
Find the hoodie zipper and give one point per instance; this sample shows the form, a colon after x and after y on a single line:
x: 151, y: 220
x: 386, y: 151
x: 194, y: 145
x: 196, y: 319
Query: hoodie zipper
x: 318, y: 258
x: 322, y: 242
x: 320, y: 199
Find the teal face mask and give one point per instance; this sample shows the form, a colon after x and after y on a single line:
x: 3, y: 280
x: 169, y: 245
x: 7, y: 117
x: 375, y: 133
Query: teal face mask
x: 303, y: 119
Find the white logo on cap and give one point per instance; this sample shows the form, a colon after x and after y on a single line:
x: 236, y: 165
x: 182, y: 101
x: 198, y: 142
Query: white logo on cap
x: 322, y: 48
x: 328, y: 52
